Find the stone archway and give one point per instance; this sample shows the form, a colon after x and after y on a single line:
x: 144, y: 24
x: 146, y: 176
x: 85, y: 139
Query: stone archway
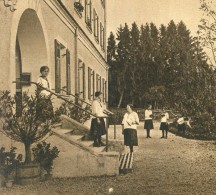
x: 31, y: 51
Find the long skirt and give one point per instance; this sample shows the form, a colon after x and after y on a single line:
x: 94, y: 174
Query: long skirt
x: 130, y: 137
x: 164, y: 126
x: 97, y: 129
x: 44, y: 109
x: 148, y: 124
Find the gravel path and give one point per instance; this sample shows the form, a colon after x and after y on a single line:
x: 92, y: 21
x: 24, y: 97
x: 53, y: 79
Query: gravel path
x: 161, y: 166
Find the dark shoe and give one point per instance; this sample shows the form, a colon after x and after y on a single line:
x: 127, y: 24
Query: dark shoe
x: 149, y: 136
x: 162, y: 137
x: 95, y: 144
x: 102, y: 144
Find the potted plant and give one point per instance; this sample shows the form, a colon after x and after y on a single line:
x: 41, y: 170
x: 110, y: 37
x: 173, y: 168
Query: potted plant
x: 8, y: 164
x: 79, y: 7
x: 88, y: 22
x: 21, y: 123
x: 45, y: 155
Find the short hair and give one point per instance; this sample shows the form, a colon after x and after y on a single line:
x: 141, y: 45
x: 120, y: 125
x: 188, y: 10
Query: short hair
x: 186, y: 118
x: 131, y: 106
x: 42, y: 68
x: 98, y: 93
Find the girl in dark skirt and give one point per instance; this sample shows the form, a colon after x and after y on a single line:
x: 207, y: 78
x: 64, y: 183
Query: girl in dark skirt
x: 129, y: 126
x: 164, y: 124
x: 98, y: 124
x: 148, y: 125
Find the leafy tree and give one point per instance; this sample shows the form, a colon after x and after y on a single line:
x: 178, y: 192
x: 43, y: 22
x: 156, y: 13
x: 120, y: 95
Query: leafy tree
x: 122, y: 60
x: 133, y: 67
x: 207, y: 28
x: 113, y: 70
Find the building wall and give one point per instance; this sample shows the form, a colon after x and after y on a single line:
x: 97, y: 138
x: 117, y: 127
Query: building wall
x: 37, y: 24
x: 5, y: 21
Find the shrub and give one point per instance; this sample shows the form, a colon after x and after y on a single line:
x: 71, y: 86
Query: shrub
x: 24, y: 125
x: 8, y: 162
x: 74, y: 112
x: 44, y: 155
x: 78, y: 6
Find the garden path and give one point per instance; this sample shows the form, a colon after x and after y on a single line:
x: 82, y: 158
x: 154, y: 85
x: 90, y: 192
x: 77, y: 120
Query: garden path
x: 161, y: 166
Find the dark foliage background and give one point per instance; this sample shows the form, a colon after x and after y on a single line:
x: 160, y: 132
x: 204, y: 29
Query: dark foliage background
x: 165, y: 67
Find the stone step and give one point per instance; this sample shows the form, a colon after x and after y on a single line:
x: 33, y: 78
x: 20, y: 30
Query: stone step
x: 67, y: 135
x: 62, y: 131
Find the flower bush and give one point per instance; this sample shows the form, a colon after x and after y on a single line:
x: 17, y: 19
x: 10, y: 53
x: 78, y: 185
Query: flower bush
x: 74, y: 112
x: 79, y: 6
x: 21, y: 121
x: 45, y: 155
x: 9, y: 160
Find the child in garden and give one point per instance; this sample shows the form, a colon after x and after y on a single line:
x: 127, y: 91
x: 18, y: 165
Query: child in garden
x: 164, y: 124
x: 182, y: 122
x: 148, y: 124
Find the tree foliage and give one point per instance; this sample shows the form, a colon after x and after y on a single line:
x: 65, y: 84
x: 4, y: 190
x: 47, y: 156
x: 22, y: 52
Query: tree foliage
x: 164, y: 67
x: 207, y: 28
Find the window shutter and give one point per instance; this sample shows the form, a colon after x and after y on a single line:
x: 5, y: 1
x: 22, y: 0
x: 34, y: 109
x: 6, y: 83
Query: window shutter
x: 57, y: 67
x: 89, y: 83
x: 103, y: 89
x: 101, y: 34
x: 93, y: 84
x: 68, y: 72
x: 97, y: 86
x: 84, y: 83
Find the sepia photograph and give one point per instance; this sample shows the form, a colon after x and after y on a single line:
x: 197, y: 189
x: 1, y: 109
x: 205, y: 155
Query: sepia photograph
x: 108, y: 97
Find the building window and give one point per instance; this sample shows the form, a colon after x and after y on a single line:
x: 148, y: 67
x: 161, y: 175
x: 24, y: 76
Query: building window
x: 98, y: 82
x: 62, y: 68
x: 68, y: 77
x: 57, y: 67
x: 102, y: 36
x: 96, y: 25
x: 88, y: 14
x: 91, y: 84
x: 104, y: 89
x: 81, y: 80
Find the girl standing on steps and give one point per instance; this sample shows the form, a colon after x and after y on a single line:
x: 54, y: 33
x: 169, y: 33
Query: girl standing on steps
x: 148, y: 125
x: 98, y: 124
x: 129, y: 126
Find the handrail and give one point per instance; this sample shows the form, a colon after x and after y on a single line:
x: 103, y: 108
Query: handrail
x: 59, y: 96
x: 106, y: 111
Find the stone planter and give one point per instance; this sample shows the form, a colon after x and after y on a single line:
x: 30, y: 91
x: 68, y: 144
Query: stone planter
x: 28, y: 174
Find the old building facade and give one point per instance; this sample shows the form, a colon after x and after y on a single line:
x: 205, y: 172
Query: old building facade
x: 66, y: 35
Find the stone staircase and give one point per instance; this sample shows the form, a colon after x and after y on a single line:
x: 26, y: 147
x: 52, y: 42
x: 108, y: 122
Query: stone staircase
x: 77, y: 140
x: 78, y: 157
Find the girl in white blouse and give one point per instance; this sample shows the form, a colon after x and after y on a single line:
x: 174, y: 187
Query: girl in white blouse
x: 148, y: 125
x: 129, y: 126
x: 98, y: 124
x: 164, y: 124
x: 44, y: 103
